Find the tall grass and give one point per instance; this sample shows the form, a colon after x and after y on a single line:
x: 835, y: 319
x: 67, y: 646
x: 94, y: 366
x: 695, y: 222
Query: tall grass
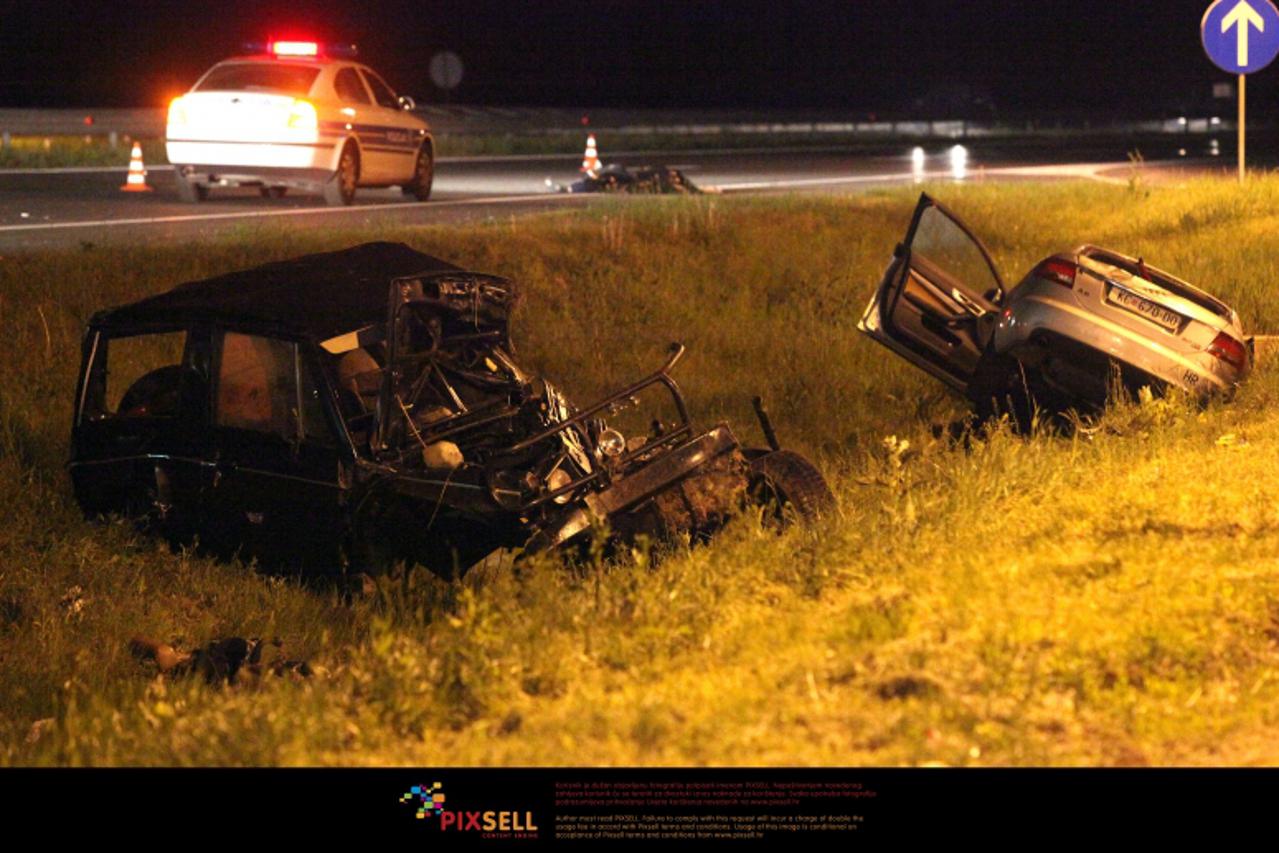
x: 46, y: 152
x: 1107, y: 598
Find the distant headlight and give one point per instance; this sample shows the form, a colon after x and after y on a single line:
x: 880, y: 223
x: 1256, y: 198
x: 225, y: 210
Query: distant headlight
x: 612, y: 443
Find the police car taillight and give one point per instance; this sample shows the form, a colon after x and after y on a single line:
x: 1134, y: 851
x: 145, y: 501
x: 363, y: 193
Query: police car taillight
x: 177, y: 111
x: 302, y: 115
x: 294, y: 48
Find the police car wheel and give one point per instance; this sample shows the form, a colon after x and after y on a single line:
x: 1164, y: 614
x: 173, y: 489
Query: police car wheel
x: 189, y: 191
x: 340, y: 189
x: 423, y: 176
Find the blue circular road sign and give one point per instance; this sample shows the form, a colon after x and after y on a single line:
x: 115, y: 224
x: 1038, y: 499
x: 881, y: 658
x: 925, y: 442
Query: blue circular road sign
x: 1241, y: 36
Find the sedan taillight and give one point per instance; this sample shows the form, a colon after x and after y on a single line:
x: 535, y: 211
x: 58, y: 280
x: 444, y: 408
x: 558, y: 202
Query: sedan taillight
x: 177, y: 111
x: 303, y: 116
x: 1055, y: 269
x: 1229, y: 350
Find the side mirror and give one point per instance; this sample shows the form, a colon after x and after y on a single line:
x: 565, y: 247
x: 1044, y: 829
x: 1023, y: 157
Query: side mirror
x: 407, y: 103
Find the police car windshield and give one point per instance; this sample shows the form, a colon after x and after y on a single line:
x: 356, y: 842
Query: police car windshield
x: 259, y: 77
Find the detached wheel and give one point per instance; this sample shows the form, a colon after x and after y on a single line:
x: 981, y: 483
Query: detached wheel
x: 340, y: 189
x: 423, y: 175
x: 189, y: 191
x: 785, y: 479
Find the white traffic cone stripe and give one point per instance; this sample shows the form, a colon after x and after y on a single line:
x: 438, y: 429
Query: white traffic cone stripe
x: 591, y: 159
x: 137, y: 179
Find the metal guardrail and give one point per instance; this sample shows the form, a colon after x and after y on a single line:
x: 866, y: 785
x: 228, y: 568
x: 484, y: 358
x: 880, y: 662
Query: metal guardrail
x: 143, y: 123
x: 148, y: 123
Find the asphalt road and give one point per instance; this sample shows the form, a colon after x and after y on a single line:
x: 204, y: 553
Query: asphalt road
x: 52, y: 208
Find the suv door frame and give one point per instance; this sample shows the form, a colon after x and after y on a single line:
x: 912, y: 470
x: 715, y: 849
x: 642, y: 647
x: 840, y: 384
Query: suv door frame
x: 148, y: 466
x: 284, y: 500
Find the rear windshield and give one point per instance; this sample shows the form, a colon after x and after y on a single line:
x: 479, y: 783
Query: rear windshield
x: 259, y: 77
x: 1156, y: 276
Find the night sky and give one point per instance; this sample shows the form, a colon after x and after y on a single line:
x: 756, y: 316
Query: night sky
x: 1007, y: 57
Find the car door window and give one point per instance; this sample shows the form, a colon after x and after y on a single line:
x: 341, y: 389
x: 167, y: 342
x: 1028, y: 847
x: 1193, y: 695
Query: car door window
x: 136, y: 376
x: 381, y: 92
x: 941, y: 241
x: 257, y: 385
x: 267, y: 385
x: 349, y: 88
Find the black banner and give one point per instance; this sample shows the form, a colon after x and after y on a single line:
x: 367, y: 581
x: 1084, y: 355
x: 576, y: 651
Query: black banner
x: 589, y: 809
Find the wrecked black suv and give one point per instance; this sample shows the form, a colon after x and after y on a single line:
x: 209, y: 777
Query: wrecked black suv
x: 356, y: 408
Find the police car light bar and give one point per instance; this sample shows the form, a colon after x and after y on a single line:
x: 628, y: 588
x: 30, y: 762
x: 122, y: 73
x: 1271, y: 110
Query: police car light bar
x: 302, y: 49
x: 294, y: 48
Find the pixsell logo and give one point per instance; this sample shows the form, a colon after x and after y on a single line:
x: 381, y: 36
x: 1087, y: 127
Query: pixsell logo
x: 430, y: 799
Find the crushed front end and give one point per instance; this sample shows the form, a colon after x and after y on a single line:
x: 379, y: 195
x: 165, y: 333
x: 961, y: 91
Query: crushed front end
x: 479, y: 455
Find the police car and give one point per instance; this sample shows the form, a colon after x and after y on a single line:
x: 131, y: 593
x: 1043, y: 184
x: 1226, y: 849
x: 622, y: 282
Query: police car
x: 297, y: 115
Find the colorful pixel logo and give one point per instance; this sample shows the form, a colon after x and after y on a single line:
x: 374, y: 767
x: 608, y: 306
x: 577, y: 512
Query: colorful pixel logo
x: 430, y: 800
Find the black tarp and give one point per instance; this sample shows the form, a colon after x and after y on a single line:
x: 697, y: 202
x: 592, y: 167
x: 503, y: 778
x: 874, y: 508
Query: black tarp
x: 319, y: 295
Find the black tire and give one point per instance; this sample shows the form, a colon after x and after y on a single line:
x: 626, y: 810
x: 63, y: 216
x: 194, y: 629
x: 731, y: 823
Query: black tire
x: 783, y: 479
x: 273, y: 192
x: 340, y: 189
x: 189, y: 191
x: 423, y: 175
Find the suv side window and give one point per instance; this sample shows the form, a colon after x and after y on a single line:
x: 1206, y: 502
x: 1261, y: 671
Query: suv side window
x: 381, y: 92
x: 257, y: 385
x: 349, y: 88
x: 267, y: 385
x: 136, y: 376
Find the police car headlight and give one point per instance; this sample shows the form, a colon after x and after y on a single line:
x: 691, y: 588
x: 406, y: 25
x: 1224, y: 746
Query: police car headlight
x: 612, y: 443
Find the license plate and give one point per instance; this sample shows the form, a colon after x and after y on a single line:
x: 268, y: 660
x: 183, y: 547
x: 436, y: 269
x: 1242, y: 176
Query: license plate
x: 1152, y: 311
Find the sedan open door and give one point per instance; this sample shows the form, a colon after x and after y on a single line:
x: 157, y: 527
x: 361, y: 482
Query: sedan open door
x: 938, y: 303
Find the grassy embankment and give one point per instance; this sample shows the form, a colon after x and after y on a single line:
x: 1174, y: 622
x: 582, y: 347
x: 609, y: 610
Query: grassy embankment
x: 1110, y: 598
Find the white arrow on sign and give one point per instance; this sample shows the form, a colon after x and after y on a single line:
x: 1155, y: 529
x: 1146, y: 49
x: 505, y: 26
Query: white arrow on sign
x: 1241, y: 16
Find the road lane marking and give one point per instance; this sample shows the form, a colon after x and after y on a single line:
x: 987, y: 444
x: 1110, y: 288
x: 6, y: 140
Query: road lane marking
x: 1065, y: 170
x: 298, y: 211
x: 1077, y: 170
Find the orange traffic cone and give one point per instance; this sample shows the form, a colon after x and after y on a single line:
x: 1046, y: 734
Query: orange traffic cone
x: 137, y: 180
x: 591, y: 159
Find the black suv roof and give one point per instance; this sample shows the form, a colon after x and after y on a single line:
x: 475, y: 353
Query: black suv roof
x: 319, y: 295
